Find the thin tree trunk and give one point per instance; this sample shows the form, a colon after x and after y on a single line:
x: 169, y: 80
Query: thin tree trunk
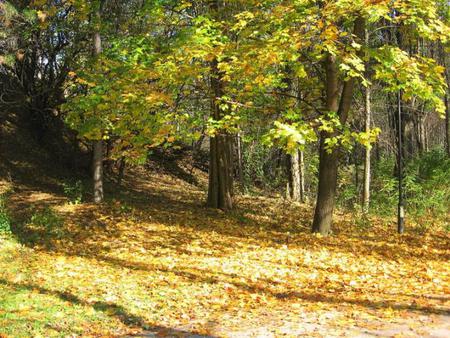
x: 367, y: 157
x: 98, y: 171
x: 295, y: 176
x: 444, y: 56
x: 302, y: 176
x: 98, y: 144
x: 447, y: 124
x: 240, y: 160
x: 121, y: 174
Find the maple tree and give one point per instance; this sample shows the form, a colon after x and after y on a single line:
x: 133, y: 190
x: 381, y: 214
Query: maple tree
x: 345, y: 103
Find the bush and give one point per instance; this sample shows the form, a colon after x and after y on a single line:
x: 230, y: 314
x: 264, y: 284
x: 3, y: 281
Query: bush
x: 5, y: 223
x: 426, y: 186
x: 48, y: 220
x: 73, y: 191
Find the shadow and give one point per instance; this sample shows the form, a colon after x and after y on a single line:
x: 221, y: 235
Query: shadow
x: 193, y: 274
x: 319, y: 297
x: 160, y: 204
x: 110, y: 309
x: 168, y: 161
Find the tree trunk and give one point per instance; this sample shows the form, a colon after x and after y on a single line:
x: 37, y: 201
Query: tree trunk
x: 121, y: 174
x: 295, y: 177
x: 98, y: 144
x: 240, y: 162
x: 220, y: 194
x: 328, y: 162
x: 220, y: 190
x: 302, y: 177
x: 98, y: 171
x: 328, y: 168
x: 367, y: 163
x: 447, y: 124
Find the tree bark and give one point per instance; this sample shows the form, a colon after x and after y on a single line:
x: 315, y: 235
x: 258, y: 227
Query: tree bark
x: 302, y: 177
x: 328, y: 168
x: 295, y: 177
x: 328, y: 162
x: 367, y: 155
x: 240, y: 161
x: 220, y: 190
x: 447, y: 124
x: 98, y: 144
x: 121, y: 173
x: 98, y: 171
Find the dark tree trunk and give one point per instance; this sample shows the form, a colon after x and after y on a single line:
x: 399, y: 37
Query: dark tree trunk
x: 328, y: 163
x: 121, y: 174
x: 328, y: 168
x: 108, y: 162
x: 220, y: 195
x: 240, y: 162
x: 220, y: 190
x: 302, y: 176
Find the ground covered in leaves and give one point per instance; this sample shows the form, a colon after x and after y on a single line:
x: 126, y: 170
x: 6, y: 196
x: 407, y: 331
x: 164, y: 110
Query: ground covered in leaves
x: 152, y: 260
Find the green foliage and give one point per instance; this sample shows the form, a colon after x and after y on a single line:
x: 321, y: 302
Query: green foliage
x: 292, y: 137
x: 427, y: 188
x: 258, y: 168
x: 5, y: 222
x: 73, y: 191
x: 348, y: 193
x: 47, y: 220
x: 416, y: 76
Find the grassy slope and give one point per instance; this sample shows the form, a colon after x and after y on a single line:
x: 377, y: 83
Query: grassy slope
x: 153, y: 258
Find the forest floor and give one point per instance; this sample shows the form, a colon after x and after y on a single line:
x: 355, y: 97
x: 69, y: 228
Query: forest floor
x: 153, y: 261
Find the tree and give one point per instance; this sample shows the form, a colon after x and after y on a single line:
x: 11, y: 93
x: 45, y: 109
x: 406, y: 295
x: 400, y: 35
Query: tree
x: 97, y: 157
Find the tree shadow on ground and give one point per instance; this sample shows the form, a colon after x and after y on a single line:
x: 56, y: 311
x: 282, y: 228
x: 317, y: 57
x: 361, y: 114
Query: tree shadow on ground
x: 110, y: 309
x: 182, y: 209
x: 169, y: 162
x: 193, y: 274
x: 158, y: 207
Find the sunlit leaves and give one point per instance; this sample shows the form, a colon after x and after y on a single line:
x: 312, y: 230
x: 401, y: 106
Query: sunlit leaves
x: 414, y: 75
x: 291, y: 137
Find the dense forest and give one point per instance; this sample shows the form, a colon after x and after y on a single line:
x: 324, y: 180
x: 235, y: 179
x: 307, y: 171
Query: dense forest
x: 224, y: 168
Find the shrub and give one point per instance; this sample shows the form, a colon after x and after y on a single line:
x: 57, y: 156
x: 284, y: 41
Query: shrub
x: 48, y: 220
x: 426, y: 186
x: 73, y: 191
x: 5, y: 223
